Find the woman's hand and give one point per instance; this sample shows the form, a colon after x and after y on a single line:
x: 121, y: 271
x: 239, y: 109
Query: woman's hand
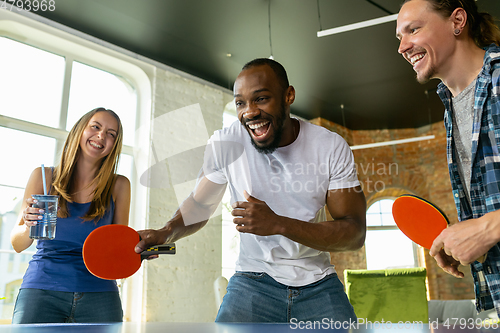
x: 31, y: 215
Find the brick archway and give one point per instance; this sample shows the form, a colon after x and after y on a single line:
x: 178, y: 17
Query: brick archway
x: 405, y: 182
x: 391, y: 192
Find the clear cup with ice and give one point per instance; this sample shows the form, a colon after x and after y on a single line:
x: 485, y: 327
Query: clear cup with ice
x: 46, y: 227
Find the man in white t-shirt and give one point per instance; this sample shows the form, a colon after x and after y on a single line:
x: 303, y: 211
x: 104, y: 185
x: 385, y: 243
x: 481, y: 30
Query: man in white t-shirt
x: 281, y: 172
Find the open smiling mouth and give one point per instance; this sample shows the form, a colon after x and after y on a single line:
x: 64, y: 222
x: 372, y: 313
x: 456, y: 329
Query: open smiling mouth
x: 96, y: 145
x: 260, y: 130
x: 414, y: 60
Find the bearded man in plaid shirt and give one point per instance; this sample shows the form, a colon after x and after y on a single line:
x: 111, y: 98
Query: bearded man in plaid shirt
x: 449, y: 40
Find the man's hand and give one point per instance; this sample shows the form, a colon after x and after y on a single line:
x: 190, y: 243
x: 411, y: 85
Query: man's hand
x: 149, y: 238
x: 254, y: 216
x: 448, y: 264
x: 469, y: 240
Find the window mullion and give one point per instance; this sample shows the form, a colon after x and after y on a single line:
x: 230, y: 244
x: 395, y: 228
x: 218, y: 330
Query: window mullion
x: 385, y: 227
x: 65, y: 93
x: 26, y: 126
x: 63, y: 117
x: 415, y: 254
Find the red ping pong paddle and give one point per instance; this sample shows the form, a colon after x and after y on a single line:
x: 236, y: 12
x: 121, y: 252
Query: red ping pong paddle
x: 109, y: 252
x: 420, y: 220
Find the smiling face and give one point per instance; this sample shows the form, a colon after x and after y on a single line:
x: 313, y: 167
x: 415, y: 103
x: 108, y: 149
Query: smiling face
x: 426, y: 39
x: 99, y: 136
x: 264, y: 107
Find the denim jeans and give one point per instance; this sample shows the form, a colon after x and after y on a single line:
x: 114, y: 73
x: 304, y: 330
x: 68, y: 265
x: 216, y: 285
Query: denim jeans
x: 47, y: 306
x: 256, y: 297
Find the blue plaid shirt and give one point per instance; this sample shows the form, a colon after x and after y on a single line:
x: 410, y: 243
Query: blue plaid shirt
x: 485, y: 173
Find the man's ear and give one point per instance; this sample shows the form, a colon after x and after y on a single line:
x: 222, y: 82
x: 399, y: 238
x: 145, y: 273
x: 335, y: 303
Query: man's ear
x: 290, y: 95
x: 459, y: 18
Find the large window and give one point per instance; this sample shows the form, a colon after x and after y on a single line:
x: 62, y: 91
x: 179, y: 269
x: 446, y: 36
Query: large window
x: 386, y: 246
x: 43, y: 94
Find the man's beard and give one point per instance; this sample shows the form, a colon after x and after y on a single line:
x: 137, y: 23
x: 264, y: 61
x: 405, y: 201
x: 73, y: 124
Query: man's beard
x: 427, y: 76
x: 278, y: 133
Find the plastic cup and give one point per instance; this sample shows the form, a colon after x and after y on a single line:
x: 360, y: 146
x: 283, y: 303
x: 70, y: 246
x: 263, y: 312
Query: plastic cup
x: 46, y: 227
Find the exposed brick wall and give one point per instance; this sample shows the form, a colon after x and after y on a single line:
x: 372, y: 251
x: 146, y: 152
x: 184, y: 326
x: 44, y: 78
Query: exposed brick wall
x: 419, y: 168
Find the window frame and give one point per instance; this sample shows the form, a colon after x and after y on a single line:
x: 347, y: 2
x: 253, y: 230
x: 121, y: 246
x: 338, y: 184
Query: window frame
x: 416, y: 261
x: 41, y: 33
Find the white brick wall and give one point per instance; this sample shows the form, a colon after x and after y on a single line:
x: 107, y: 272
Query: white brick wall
x: 180, y: 288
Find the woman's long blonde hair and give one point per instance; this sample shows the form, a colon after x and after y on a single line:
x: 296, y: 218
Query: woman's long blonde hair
x: 62, y: 179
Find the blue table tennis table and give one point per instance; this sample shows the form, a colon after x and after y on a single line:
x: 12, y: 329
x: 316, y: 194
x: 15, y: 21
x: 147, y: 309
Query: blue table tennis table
x: 158, y: 327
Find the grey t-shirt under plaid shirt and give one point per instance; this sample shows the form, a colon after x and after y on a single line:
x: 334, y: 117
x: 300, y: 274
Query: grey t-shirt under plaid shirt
x: 463, y: 114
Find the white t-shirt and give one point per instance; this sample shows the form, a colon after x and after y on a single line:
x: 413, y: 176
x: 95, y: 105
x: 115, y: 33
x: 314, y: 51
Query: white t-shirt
x: 293, y: 181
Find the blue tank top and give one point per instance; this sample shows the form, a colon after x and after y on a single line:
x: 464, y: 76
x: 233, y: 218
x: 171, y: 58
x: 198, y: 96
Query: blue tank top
x: 58, y: 263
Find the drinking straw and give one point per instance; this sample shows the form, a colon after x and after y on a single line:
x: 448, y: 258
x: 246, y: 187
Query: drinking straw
x: 45, y: 216
x: 43, y: 179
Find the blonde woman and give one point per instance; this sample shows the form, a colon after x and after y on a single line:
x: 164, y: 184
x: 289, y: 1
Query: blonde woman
x: 57, y: 287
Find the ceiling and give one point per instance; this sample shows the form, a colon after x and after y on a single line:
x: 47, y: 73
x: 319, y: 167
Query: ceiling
x: 360, y: 69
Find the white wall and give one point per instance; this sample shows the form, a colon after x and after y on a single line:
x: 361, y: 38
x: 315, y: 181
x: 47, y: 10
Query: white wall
x: 180, y: 288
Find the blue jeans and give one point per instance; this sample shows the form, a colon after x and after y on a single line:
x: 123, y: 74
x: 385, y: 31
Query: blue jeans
x: 47, y: 306
x: 258, y: 298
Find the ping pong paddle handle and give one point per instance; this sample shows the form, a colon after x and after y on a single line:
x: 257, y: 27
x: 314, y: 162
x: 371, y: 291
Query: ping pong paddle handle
x: 482, y: 258
x: 158, y: 249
